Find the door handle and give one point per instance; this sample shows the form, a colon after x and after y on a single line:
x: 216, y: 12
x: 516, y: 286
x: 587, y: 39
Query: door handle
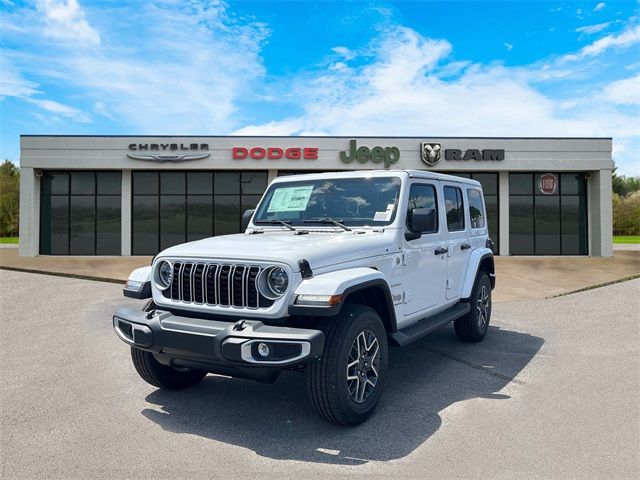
x: 441, y: 251
x: 465, y: 246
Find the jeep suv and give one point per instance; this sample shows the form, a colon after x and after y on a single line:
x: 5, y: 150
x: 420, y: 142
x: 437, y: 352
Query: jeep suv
x: 331, y: 270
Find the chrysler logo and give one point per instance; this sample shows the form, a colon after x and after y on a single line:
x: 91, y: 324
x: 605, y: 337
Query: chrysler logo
x: 430, y: 153
x: 179, y: 157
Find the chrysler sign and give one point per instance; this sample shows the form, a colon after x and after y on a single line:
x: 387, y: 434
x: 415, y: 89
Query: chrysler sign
x: 196, y: 151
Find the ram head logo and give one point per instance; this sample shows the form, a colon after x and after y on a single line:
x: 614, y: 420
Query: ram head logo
x: 430, y: 153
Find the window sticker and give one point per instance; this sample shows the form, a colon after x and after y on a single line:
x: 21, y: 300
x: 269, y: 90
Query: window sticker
x: 384, y: 216
x: 290, y: 199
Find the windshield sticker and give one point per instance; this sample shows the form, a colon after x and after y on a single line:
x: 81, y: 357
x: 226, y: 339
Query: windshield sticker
x: 291, y: 199
x: 384, y: 216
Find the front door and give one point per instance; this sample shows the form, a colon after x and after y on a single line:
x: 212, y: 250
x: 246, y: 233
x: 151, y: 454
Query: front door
x: 424, y: 271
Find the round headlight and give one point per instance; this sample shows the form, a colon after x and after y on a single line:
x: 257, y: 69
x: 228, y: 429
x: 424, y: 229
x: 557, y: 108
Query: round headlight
x: 277, y: 281
x: 164, y: 275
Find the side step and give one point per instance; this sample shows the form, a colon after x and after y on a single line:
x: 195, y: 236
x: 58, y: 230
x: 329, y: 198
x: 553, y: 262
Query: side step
x: 427, y: 325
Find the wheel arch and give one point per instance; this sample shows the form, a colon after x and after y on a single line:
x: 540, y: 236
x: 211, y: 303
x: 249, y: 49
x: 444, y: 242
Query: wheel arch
x: 481, y: 261
x: 363, y: 285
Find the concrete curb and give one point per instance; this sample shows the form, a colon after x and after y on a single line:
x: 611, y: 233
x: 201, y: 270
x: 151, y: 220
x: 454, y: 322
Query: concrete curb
x: 598, y: 285
x: 66, y: 275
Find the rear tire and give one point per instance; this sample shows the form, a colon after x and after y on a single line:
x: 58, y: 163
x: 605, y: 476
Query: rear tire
x: 161, y: 376
x: 474, y: 325
x: 345, y: 384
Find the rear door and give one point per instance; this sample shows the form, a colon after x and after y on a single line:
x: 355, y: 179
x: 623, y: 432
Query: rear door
x: 423, y: 270
x: 458, y: 244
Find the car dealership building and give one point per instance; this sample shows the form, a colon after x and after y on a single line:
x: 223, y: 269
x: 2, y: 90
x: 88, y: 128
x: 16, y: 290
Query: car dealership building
x: 137, y: 195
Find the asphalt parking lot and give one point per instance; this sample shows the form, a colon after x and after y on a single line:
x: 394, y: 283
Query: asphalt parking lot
x: 552, y: 392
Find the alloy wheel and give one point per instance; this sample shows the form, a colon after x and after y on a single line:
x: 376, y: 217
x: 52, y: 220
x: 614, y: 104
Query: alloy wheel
x: 363, y: 366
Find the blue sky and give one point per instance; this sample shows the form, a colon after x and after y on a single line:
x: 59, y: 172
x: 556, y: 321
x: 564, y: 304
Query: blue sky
x: 322, y: 68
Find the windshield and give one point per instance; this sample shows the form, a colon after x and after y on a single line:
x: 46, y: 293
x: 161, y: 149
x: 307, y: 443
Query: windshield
x: 350, y: 201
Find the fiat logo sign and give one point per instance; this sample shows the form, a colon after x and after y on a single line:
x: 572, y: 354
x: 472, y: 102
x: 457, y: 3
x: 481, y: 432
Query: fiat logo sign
x: 548, y: 184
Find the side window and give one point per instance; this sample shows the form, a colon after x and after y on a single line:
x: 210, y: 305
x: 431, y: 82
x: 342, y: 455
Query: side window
x: 423, y: 196
x: 455, y: 208
x: 476, y: 212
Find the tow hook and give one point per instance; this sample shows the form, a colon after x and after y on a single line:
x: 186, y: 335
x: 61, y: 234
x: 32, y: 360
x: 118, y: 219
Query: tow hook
x: 239, y: 325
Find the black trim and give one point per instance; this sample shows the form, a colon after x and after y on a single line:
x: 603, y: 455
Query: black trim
x: 427, y: 325
x: 314, y: 311
x: 305, y: 268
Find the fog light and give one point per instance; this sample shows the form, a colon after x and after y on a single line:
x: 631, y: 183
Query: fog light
x: 263, y: 349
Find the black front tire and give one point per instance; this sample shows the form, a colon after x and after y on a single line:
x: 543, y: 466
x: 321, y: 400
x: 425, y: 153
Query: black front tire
x: 341, y: 394
x: 475, y: 324
x: 161, y: 376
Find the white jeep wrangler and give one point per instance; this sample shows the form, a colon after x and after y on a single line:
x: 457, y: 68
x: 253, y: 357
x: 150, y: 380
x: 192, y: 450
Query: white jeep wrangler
x: 332, y: 268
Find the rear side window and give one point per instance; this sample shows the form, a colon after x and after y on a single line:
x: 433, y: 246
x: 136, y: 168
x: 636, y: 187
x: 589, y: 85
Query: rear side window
x: 476, y: 210
x: 455, y: 208
x: 423, y: 196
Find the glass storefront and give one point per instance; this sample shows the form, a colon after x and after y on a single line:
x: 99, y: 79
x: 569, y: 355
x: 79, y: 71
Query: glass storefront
x: 80, y: 213
x: 547, y: 214
x: 173, y: 207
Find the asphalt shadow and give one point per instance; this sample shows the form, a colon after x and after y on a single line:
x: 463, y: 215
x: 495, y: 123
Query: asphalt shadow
x: 278, y: 421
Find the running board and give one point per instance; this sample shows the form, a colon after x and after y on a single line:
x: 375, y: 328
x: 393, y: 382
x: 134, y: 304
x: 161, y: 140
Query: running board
x: 427, y: 325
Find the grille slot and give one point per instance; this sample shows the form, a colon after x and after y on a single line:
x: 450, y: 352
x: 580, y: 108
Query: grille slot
x: 216, y: 284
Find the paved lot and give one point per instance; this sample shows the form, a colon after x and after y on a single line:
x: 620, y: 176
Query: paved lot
x: 553, y: 392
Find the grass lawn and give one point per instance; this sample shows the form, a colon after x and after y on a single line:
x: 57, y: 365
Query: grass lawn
x: 626, y: 239
x: 9, y: 239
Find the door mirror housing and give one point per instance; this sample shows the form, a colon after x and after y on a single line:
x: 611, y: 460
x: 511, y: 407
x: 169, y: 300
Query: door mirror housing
x: 421, y: 220
x: 246, y: 218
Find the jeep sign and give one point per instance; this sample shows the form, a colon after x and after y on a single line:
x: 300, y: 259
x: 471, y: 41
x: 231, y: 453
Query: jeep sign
x: 386, y: 155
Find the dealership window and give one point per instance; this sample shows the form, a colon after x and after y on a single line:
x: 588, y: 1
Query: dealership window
x: 80, y: 213
x: 489, y: 182
x: 547, y: 214
x: 174, y: 207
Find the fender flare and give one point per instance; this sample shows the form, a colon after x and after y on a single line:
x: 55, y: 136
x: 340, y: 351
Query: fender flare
x: 477, y: 257
x: 343, y: 282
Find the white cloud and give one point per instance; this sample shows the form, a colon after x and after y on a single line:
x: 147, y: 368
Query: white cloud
x: 12, y: 84
x: 508, y: 46
x: 344, y: 52
x: 65, y: 20
x: 60, y: 109
x: 591, y: 29
x: 599, y: 6
x: 628, y: 37
x: 625, y: 92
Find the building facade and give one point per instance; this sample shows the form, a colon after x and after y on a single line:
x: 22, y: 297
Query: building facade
x: 136, y: 195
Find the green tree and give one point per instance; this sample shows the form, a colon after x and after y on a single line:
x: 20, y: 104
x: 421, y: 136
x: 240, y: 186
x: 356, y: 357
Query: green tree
x: 626, y: 214
x: 9, y: 199
x: 623, y: 185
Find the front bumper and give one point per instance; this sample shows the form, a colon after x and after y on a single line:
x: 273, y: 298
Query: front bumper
x: 218, y: 347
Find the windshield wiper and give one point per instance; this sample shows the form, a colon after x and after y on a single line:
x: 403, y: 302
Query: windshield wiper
x: 328, y: 220
x: 281, y: 222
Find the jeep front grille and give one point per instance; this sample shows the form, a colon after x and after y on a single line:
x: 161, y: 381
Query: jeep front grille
x: 216, y: 284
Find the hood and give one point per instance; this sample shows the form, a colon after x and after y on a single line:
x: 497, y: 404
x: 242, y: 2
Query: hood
x: 319, y: 248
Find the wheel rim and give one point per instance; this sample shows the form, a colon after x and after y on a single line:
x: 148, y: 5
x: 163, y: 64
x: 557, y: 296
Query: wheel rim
x: 483, y: 306
x: 363, y: 366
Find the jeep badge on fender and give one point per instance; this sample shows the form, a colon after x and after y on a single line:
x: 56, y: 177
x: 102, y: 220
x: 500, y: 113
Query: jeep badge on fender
x: 331, y: 269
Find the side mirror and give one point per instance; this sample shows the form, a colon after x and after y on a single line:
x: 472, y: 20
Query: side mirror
x: 246, y: 218
x: 421, y: 220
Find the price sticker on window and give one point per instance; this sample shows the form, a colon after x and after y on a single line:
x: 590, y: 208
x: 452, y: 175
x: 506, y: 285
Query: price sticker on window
x: 290, y: 199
